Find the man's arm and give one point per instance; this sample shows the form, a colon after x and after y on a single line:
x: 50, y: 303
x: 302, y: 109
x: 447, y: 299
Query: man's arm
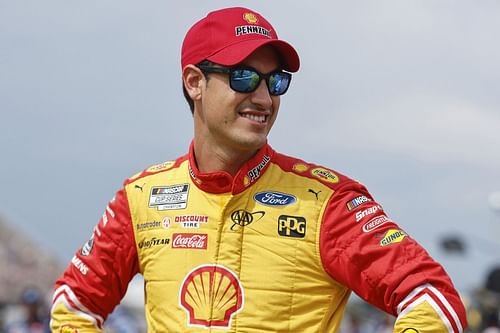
x: 97, y: 277
x: 365, y: 250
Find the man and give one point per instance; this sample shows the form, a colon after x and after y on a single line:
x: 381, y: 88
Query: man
x: 236, y: 237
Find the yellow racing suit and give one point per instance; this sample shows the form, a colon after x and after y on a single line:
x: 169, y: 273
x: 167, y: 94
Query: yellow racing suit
x: 277, y: 248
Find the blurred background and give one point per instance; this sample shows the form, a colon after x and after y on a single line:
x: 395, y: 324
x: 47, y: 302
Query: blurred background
x: 402, y: 95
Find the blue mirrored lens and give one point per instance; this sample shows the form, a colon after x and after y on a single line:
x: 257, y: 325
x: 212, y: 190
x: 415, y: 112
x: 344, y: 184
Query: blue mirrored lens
x: 278, y: 83
x: 244, y: 80
x: 247, y: 80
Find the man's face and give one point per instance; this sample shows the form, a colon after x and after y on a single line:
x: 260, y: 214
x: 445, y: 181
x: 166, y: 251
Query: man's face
x: 239, y: 121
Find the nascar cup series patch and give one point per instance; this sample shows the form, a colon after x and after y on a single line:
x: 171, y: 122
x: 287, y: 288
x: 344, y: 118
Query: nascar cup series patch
x: 169, y: 197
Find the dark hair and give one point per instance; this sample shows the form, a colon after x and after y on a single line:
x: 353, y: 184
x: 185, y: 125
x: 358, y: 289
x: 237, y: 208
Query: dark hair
x: 184, y: 91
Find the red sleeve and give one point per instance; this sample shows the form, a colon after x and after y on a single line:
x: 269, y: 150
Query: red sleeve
x: 97, y: 277
x: 369, y: 253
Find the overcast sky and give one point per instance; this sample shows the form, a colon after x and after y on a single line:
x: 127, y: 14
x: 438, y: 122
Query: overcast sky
x: 402, y: 95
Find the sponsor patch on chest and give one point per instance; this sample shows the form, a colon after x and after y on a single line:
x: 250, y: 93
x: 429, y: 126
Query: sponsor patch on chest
x: 169, y: 197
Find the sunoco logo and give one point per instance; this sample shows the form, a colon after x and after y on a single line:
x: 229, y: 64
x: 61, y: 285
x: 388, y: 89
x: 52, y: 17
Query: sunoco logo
x: 375, y: 223
x: 392, y: 236
x: 275, y: 198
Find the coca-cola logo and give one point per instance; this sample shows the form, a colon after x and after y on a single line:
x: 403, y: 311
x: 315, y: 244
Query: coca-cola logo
x: 190, y: 241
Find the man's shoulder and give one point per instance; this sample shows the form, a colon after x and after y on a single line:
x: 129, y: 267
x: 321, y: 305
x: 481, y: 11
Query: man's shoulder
x: 326, y: 175
x: 159, y: 168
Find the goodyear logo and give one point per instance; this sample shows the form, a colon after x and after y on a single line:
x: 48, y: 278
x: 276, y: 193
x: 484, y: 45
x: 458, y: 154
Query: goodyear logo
x: 393, y: 236
x: 325, y: 175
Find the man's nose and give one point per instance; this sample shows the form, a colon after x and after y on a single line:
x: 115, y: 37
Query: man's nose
x: 261, y: 95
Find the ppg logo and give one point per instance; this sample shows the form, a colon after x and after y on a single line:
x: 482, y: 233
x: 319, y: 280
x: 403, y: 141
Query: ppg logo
x: 292, y: 226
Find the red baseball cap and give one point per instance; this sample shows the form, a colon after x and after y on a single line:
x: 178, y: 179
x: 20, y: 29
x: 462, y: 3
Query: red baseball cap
x: 227, y: 36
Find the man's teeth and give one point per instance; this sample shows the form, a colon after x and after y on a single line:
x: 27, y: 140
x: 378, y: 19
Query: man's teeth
x: 254, y: 117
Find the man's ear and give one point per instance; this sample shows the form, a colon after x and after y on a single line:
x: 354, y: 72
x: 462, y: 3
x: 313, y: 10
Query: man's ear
x: 193, y: 78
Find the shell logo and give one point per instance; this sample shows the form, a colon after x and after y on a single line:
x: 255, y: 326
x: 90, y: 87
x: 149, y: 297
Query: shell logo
x: 211, y: 296
x: 325, y: 175
x: 250, y: 18
x: 68, y: 329
x: 300, y: 167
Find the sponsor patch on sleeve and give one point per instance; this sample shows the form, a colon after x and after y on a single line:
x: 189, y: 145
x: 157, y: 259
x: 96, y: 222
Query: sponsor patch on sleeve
x: 359, y: 200
x: 392, y: 236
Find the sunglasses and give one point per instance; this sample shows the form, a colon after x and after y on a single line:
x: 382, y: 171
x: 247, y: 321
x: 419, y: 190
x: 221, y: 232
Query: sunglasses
x: 247, y: 79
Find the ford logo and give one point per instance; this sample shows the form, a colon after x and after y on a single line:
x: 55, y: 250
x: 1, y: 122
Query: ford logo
x: 275, y: 198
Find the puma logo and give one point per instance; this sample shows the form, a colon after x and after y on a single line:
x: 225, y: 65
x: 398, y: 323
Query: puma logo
x: 315, y: 193
x: 139, y: 187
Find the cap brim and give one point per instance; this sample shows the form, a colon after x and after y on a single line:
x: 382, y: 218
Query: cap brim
x: 236, y: 53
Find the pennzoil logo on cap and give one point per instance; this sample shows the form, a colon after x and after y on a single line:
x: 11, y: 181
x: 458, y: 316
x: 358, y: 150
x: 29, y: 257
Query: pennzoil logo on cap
x: 250, y: 18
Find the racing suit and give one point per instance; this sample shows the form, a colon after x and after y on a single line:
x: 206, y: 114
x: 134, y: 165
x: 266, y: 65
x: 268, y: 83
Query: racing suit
x: 276, y: 248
